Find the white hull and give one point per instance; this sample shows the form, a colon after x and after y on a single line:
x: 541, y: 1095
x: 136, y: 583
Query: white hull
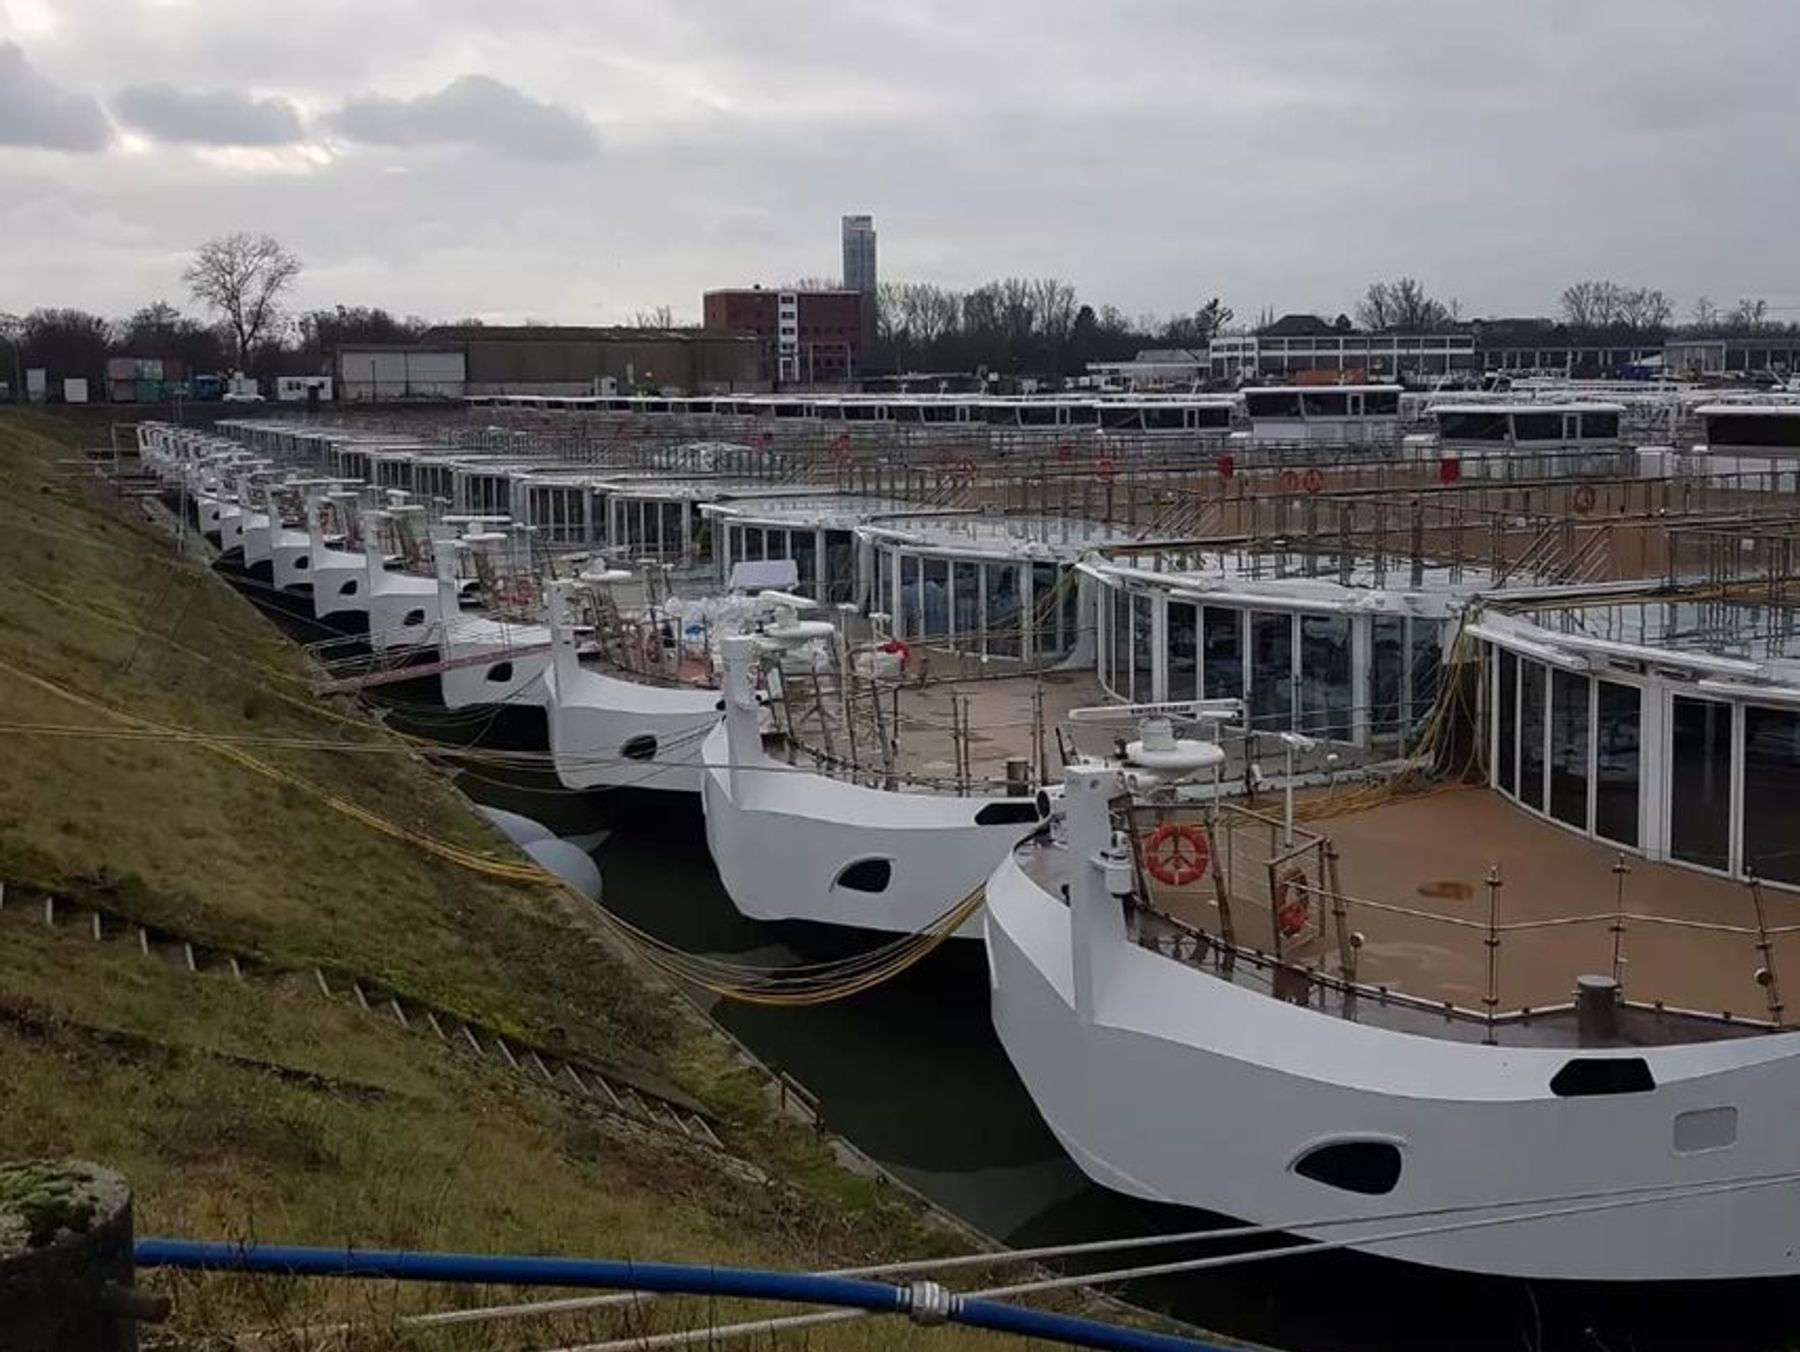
x: 597, y: 723
x: 340, y: 583
x: 1178, y: 1086
x: 781, y: 839
x: 508, y: 677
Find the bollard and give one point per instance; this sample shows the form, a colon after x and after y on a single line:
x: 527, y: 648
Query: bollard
x: 66, y: 1260
x: 1596, y: 1010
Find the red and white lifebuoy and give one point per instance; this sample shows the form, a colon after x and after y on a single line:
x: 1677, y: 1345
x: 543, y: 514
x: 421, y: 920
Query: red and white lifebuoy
x: 1313, y: 480
x: 1177, y: 854
x: 1105, y: 467
x: 1584, y: 498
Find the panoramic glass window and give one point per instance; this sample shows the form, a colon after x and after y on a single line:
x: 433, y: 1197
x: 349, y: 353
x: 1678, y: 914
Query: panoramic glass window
x: 1044, y: 611
x: 1003, y: 610
x: 884, y: 585
x: 935, y: 598
x: 803, y: 548
x: 1771, y: 792
x: 840, y: 566
x: 1143, y: 651
x: 1271, y: 669
x: 1533, y: 690
x: 1182, y: 619
x: 908, y: 622
x: 1118, y: 639
x: 1569, y: 748
x: 1506, y: 716
x: 1222, y: 653
x: 1700, y: 782
x: 1325, y: 689
x: 1616, y: 761
x: 753, y: 543
x: 965, y: 579
x: 1425, y: 672
x: 1387, y: 637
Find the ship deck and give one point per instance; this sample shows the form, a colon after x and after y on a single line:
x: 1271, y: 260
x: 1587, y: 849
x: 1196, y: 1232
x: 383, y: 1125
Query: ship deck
x: 1413, y: 875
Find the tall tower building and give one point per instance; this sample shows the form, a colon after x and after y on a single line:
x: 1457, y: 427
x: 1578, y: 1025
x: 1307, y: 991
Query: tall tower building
x: 859, y: 255
x: 859, y: 269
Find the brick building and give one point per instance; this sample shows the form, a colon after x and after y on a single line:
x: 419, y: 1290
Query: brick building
x: 810, y: 337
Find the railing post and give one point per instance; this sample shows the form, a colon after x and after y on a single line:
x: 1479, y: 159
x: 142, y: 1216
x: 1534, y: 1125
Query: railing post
x: 1492, y: 999
x: 1619, y: 869
x: 1765, y: 975
x: 1340, y: 915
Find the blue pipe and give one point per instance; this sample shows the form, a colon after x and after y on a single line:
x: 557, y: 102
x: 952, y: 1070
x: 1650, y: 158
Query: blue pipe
x: 663, y: 1278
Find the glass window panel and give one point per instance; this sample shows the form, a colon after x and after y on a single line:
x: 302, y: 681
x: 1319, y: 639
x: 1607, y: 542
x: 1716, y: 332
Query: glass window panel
x: 672, y: 513
x: 1002, y: 609
x: 1569, y: 748
x: 1325, y: 692
x: 840, y: 566
x: 967, y: 580
x: 1143, y: 652
x: 1700, y: 782
x: 1771, y: 791
x: 1616, y: 764
x: 1118, y: 644
x: 1184, y: 664
x: 1533, y: 689
x: 1222, y: 635
x: 1049, y: 642
x: 908, y: 623
x: 936, y: 598
x: 803, y: 547
x: 753, y: 542
x: 1425, y: 660
x: 884, y: 583
x: 1070, y: 583
x: 1271, y: 670
x: 1506, y: 713
x: 1387, y: 637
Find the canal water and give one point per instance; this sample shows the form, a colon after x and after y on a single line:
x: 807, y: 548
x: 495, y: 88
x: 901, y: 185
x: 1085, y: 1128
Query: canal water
x: 912, y: 1073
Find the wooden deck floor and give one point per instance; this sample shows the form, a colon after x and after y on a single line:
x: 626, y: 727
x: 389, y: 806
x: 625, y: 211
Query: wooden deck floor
x: 1431, y: 853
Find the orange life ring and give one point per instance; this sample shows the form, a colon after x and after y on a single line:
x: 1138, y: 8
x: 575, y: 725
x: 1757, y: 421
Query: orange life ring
x: 1584, y: 498
x: 965, y: 469
x: 1290, y: 909
x: 1313, y: 481
x: 899, y: 649
x: 1289, y: 481
x: 1065, y: 453
x: 1177, y: 854
x: 1106, y: 467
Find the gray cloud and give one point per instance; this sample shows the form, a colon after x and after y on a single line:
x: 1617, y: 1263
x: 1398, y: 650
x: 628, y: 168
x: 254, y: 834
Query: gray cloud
x: 38, y: 113
x: 472, y: 110
x: 208, y: 117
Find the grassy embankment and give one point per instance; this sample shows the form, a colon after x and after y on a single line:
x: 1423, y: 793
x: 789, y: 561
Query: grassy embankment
x: 260, y: 1109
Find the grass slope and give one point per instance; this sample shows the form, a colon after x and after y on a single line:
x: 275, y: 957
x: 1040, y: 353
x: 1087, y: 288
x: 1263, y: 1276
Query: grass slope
x: 258, y: 1109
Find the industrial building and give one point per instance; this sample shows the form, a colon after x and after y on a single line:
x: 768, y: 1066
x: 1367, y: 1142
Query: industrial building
x: 806, y: 337
x: 458, y: 360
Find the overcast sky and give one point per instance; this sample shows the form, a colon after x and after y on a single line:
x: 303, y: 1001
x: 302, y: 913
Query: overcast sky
x: 580, y: 160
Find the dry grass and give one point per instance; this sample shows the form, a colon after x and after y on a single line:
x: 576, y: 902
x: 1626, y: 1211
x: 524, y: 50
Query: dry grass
x: 260, y: 1110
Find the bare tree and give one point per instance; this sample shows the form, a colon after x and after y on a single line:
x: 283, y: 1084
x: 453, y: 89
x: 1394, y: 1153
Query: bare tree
x: 1706, y: 314
x: 1401, y: 304
x: 243, y: 277
x: 1750, y: 314
x: 657, y: 317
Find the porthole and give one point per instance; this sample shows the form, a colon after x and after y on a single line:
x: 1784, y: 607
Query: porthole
x: 1591, y: 1076
x: 413, y: 619
x: 302, y: 562
x: 639, y: 748
x: 348, y: 589
x: 866, y: 875
x: 1371, y: 1168
x: 500, y: 672
x: 1007, y: 814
